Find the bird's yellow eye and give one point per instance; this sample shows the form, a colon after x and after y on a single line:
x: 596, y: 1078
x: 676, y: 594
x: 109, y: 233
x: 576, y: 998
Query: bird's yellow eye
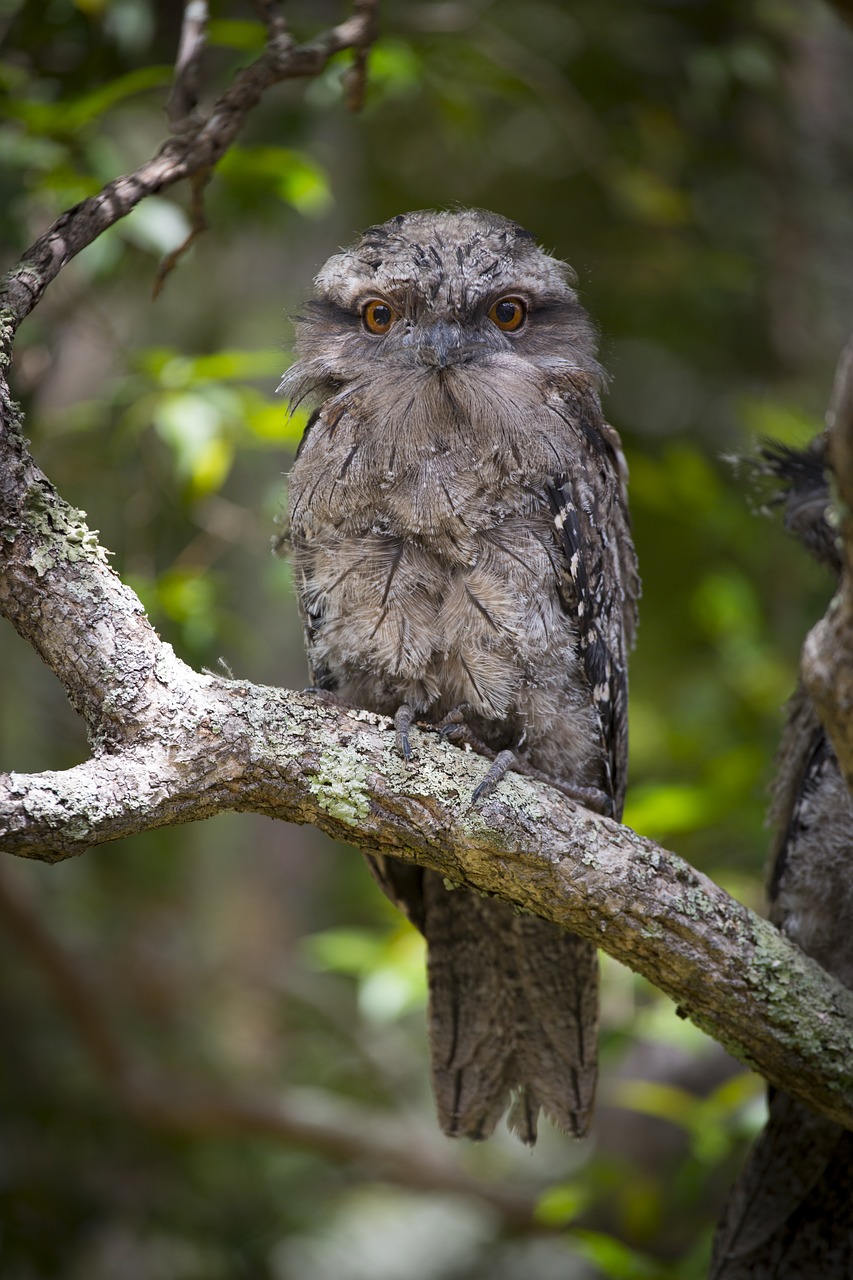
x: 509, y: 314
x: 377, y: 315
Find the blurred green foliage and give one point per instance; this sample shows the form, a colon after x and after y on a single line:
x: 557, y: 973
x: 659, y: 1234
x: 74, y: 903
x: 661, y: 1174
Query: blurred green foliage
x: 681, y: 156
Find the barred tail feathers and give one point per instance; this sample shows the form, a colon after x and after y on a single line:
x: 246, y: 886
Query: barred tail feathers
x: 513, y: 1016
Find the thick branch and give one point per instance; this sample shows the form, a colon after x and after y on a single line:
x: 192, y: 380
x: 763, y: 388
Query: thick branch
x: 173, y: 746
x: 279, y: 754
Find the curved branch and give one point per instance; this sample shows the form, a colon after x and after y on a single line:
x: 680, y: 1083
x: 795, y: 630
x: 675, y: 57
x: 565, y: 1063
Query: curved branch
x: 199, y: 146
x: 278, y: 753
x: 173, y: 745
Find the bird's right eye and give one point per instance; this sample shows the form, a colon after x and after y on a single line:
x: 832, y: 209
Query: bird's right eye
x: 377, y: 316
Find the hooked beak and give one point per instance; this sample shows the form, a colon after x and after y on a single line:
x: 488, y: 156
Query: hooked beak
x: 442, y: 343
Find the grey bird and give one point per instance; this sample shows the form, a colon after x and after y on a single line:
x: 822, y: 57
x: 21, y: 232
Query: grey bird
x: 790, y: 1214
x: 458, y: 529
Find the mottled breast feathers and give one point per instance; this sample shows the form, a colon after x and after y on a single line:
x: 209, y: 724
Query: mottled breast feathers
x: 459, y: 534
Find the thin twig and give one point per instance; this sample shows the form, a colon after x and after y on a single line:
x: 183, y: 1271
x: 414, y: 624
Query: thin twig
x: 183, y: 97
x: 273, y: 19
x: 355, y: 78
x: 198, y: 225
x: 197, y: 148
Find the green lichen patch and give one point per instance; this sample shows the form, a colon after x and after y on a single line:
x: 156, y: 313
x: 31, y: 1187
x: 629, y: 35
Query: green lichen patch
x: 339, y: 785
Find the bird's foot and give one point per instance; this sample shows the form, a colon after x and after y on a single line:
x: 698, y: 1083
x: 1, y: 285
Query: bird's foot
x: 509, y: 761
x: 500, y: 766
x: 328, y: 696
x: 455, y: 728
x: 403, y: 718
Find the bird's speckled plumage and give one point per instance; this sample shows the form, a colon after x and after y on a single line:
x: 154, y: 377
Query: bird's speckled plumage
x: 459, y: 534
x: 790, y: 1214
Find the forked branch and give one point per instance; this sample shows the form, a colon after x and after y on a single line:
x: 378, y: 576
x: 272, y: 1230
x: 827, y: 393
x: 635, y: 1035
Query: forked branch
x: 170, y: 745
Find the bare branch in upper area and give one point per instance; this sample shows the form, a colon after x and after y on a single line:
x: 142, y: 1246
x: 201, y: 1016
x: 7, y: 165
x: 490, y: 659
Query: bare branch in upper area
x: 198, y: 225
x: 272, y: 17
x: 197, y: 147
x: 183, y: 98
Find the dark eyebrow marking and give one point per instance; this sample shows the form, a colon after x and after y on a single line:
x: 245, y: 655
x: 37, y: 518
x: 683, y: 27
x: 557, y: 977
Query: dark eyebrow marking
x: 331, y: 312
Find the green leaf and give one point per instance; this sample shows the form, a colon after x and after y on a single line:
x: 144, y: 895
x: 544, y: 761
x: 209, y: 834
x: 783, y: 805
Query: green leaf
x: 654, y: 1098
x: 195, y: 426
x: 232, y: 33
x: 271, y: 423
x: 660, y: 810
x: 562, y: 1203
x: 389, y: 966
x: 295, y: 177
x: 395, y: 70
x: 615, y: 1259
x: 62, y: 119
x: 785, y: 422
x: 353, y: 951
x: 235, y: 364
x: 188, y: 598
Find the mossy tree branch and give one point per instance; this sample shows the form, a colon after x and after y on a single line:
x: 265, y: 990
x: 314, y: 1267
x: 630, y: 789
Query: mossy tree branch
x: 171, y: 745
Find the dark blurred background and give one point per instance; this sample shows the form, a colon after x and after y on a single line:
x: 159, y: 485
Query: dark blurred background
x: 694, y: 162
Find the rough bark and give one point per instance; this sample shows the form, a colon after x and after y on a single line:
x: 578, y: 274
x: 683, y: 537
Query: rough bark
x: 171, y: 745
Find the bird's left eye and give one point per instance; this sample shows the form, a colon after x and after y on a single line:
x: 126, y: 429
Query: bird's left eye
x: 377, y: 316
x: 509, y: 314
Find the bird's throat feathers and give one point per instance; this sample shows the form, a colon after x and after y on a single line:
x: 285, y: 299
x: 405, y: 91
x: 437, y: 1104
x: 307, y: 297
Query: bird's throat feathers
x: 454, y: 410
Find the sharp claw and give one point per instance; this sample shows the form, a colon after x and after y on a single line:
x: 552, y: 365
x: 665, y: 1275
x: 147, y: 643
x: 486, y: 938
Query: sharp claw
x: 455, y: 719
x: 501, y: 765
x: 328, y: 696
x: 449, y: 732
x: 402, y: 724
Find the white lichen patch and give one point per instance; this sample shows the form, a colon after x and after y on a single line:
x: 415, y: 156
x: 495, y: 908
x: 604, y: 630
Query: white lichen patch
x: 516, y: 792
